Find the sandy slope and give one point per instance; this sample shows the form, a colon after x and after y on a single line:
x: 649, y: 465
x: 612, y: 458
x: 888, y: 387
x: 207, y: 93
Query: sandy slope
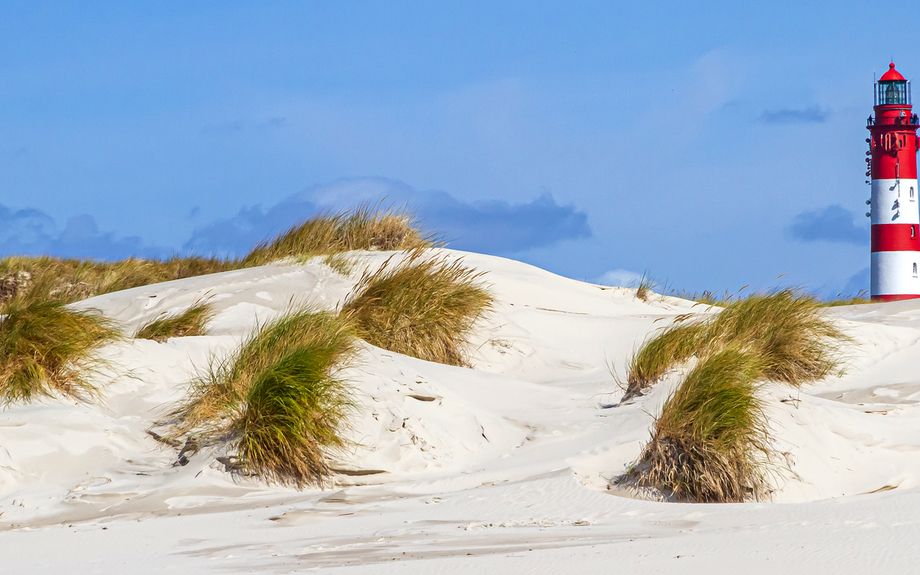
x: 503, y: 467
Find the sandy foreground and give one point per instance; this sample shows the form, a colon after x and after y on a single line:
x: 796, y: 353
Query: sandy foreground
x: 499, y: 469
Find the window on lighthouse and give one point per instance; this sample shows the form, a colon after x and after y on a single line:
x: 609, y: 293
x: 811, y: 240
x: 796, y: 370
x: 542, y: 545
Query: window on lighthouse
x: 915, y: 269
x: 892, y: 92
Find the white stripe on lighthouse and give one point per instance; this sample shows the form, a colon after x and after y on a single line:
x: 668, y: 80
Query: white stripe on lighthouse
x: 895, y: 273
x: 895, y: 202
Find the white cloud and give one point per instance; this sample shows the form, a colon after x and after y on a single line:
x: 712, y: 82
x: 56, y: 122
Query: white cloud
x: 619, y: 277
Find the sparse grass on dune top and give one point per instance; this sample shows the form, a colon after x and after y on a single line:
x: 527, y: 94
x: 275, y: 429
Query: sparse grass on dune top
x: 325, y: 234
x: 71, y: 280
x: 786, y: 329
x: 708, y: 441
x: 277, y: 398
x: 192, y: 321
x: 645, y: 286
x: 860, y: 298
x: 360, y: 229
x: 421, y: 306
x: 45, y: 347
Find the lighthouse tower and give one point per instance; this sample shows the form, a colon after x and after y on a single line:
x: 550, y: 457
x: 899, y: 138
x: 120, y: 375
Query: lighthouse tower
x: 892, y: 165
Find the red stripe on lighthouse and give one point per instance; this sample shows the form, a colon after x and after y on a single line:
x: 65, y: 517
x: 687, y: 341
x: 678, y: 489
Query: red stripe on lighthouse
x: 893, y: 297
x: 901, y: 165
x: 895, y: 238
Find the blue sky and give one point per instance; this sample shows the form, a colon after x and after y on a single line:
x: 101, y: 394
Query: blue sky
x: 711, y: 144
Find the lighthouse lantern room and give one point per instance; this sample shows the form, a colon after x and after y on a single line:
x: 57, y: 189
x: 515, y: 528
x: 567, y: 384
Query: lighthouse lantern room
x: 892, y: 165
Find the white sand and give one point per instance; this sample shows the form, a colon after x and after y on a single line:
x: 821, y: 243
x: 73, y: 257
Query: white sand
x: 501, y: 468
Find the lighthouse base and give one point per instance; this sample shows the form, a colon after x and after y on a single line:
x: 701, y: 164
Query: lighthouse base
x: 893, y: 275
x: 894, y: 297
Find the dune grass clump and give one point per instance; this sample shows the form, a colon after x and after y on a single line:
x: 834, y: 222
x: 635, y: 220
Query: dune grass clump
x: 710, y: 442
x: 785, y: 329
x: 293, y: 414
x: 861, y: 297
x: 420, y: 306
x: 644, y: 287
x: 47, y: 348
x: 193, y: 321
x: 277, y: 399
x: 331, y: 233
x: 711, y: 437
x: 225, y: 385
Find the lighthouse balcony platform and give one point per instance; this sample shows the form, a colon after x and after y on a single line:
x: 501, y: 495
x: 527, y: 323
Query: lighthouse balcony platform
x: 894, y: 121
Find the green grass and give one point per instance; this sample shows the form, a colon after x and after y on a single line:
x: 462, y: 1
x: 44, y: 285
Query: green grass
x: 786, y: 329
x: 710, y: 442
x: 711, y: 437
x: 225, y: 386
x: 277, y: 398
x: 672, y: 347
x: 293, y: 415
x: 48, y: 348
x: 192, y: 321
x: 419, y: 306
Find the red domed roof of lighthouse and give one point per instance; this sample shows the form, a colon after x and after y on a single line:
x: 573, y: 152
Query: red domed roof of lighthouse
x: 891, y: 74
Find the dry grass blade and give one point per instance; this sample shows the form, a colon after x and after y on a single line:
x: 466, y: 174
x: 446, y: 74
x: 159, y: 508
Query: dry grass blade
x: 72, y: 280
x: 861, y: 297
x: 423, y: 307
x: 193, y: 321
x: 711, y: 433
x: 329, y: 233
x: 46, y: 347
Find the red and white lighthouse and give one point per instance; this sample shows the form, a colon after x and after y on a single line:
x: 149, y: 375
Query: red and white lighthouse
x: 895, y: 217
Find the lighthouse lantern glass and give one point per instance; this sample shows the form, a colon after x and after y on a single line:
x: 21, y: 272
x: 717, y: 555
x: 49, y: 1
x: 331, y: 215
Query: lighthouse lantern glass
x: 893, y: 92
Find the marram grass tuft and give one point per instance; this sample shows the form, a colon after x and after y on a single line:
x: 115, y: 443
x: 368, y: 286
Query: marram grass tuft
x: 72, y: 280
x: 46, y: 347
x: 293, y: 414
x: 785, y: 329
x: 331, y: 233
x: 710, y: 443
x: 710, y: 440
x: 421, y: 306
x: 226, y: 383
x: 193, y: 321
x: 277, y: 399
x: 675, y: 345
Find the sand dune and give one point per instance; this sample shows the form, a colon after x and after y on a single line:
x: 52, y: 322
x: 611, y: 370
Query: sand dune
x: 500, y: 468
